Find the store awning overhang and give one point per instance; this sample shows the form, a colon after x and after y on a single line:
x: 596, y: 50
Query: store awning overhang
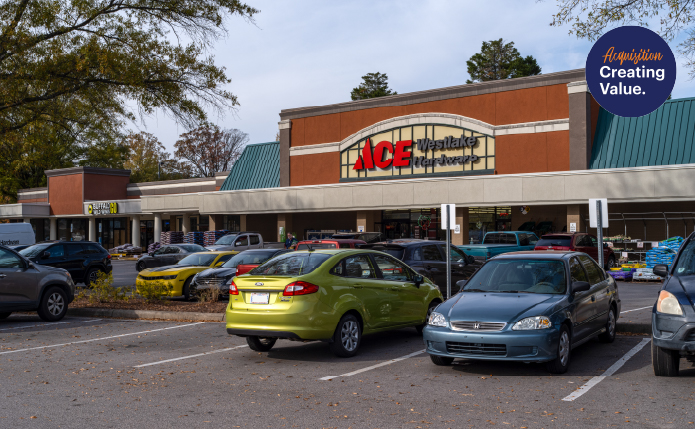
x: 25, y: 210
x: 641, y: 184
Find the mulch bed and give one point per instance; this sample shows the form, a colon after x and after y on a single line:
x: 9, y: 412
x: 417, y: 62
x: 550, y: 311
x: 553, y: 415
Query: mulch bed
x: 164, y: 305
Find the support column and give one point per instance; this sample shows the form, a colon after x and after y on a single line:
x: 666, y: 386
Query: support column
x: 573, y: 217
x: 461, y: 219
x: 157, y: 227
x: 135, y: 237
x: 242, y: 222
x: 92, y: 229
x: 285, y: 126
x: 215, y: 223
x: 54, y: 228
x: 366, y: 219
x: 186, y: 224
x: 285, y: 221
x: 580, y: 125
x: 26, y: 220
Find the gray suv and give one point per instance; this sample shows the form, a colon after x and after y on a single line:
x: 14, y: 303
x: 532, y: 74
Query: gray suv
x: 25, y: 286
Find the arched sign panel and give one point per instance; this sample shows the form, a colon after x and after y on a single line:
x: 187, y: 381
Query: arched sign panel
x: 418, y: 151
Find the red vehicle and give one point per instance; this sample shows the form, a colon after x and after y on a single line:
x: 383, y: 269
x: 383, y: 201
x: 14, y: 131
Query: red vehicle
x: 577, y: 242
x: 331, y: 243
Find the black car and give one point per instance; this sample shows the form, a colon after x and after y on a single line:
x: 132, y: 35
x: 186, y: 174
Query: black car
x: 428, y: 258
x: 220, y: 277
x: 673, y: 316
x: 167, y: 255
x: 367, y: 237
x: 82, y: 259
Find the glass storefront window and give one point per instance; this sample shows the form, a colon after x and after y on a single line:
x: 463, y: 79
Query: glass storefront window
x: 231, y: 223
x: 485, y: 219
x: 419, y: 223
x: 72, y: 229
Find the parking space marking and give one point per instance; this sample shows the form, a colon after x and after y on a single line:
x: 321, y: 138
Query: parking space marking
x: 610, y: 371
x: 98, y: 339
x: 191, y: 356
x: 636, y: 309
x: 369, y: 368
x: 46, y: 324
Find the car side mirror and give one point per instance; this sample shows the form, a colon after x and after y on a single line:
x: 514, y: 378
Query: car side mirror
x: 660, y: 270
x: 238, y: 243
x: 45, y: 255
x: 605, y: 245
x: 418, y: 279
x: 580, y: 287
x: 461, y: 283
x: 470, y: 259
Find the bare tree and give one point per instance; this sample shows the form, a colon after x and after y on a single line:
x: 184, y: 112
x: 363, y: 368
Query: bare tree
x: 210, y: 149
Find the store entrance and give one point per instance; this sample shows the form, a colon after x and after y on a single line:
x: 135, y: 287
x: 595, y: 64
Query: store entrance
x: 419, y: 223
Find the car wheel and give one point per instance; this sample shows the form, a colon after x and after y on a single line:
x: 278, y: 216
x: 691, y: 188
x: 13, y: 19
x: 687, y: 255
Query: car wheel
x: 186, y: 290
x: 54, y: 305
x: 665, y: 362
x: 260, y: 344
x: 347, y: 337
x: 430, y: 309
x: 561, y: 363
x: 91, y: 276
x: 609, y: 335
x: 5, y: 315
x: 140, y: 266
x: 610, y: 263
x: 441, y: 360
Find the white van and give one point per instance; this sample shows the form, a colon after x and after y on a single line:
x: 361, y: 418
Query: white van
x: 16, y: 234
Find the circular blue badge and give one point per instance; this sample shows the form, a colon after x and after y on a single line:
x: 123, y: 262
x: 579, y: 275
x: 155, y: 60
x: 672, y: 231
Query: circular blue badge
x: 631, y: 71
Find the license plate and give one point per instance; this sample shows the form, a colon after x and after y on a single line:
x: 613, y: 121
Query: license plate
x: 259, y: 298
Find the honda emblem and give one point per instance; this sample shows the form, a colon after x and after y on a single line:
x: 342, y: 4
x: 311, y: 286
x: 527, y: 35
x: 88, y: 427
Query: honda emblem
x: 476, y: 326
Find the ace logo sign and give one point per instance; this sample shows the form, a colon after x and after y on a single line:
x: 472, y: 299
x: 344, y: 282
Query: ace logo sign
x: 631, y: 71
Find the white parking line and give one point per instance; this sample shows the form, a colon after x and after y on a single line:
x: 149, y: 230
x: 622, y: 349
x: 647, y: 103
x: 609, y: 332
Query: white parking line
x: 636, y: 309
x: 369, y: 368
x: 45, y: 324
x: 191, y: 356
x: 610, y: 371
x: 98, y: 339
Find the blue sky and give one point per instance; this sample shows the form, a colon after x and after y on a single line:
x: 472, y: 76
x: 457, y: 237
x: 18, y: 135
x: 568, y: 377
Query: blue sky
x: 308, y: 53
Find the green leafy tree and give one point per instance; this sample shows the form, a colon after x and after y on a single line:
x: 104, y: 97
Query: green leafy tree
x: 373, y: 85
x: 589, y: 19
x: 498, y: 60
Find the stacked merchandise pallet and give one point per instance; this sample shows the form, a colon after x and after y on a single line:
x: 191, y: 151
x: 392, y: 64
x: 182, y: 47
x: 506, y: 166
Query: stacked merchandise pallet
x: 194, y: 238
x: 171, y: 237
x: 154, y: 246
x: 673, y: 243
x: 211, y: 237
x: 660, y: 255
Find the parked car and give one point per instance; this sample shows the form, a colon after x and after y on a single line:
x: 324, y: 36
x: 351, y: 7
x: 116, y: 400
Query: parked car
x: 428, y: 258
x: 240, y: 241
x: 84, y: 260
x: 167, y: 255
x: 673, y: 317
x: 329, y: 243
x: 332, y: 295
x: 180, y: 276
x: 220, y: 277
x: 17, y: 234
x: 26, y: 286
x: 368, y: 237
x: 577, y: 242
x: 526, y: 307
x: 497, y: 243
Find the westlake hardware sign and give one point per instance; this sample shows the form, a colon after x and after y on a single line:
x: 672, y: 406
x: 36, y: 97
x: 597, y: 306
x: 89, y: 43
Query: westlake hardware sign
x: 102, y: 208
x: 419, y: 150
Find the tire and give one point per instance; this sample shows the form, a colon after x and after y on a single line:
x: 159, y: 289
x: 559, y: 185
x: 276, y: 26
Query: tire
x: 140, y: 266
x: 561, y: 363
x: 260, y: 344
x: 610, y: 263
x: 186, y: 289
x: 665, y: 362
x: 347, y: 337
x: 5, y: 315
x: 609, y: 335
x: 91, y: 276
x: 430, y: 309
x: 441, y: 360
x: 54, y: 305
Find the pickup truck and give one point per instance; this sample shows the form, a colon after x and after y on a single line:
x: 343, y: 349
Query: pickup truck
x: 496, y: 243
x: 244, y: 240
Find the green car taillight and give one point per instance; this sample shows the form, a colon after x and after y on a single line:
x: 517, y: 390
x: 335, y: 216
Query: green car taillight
x: 300, y: 288
x: 233, y: 289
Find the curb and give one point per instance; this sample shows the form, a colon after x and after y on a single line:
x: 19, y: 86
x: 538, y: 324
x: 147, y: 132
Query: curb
x: 147, y: 314
x: 634, y: 328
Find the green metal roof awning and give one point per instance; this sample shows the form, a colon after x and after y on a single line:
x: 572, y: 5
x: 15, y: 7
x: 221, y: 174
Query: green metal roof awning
x: 258, y: 167
x: 664, y: 137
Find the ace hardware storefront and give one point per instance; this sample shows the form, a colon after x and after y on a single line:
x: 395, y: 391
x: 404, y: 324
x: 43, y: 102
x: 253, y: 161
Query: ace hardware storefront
x: 518, y: 154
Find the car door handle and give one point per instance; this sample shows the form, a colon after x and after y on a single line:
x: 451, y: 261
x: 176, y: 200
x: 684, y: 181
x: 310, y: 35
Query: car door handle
x: 357, y: 286
x: 593, y: 298
x: 2, y: 276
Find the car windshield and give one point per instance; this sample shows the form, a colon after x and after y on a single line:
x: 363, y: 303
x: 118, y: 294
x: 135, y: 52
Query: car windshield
x: 292, y: 264
x: 685, y: 266
x: 227, y: 239
x: 34, y: 250
x: 192, y: 248
x: 554, y: 241
x: 519, y: 276
x: 198, y: 259
x: 313, y: 246
x: 499, y: 238
x: 244, y: 258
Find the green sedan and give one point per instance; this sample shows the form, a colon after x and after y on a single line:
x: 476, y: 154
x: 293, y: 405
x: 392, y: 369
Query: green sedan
x: 328, y: 295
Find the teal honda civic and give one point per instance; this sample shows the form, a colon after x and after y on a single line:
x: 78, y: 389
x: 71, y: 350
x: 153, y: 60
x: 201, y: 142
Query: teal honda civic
x: 525, y: 307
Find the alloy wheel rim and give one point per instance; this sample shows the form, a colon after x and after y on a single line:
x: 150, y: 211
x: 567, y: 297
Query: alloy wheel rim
x: 349, y: 335
x: 611, y: 323
x: 92, y: 276
x: 55, y: 304
x: 564, y: 348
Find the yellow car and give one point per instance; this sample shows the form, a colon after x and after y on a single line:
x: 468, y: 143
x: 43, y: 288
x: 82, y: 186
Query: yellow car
x: 179, y: 276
